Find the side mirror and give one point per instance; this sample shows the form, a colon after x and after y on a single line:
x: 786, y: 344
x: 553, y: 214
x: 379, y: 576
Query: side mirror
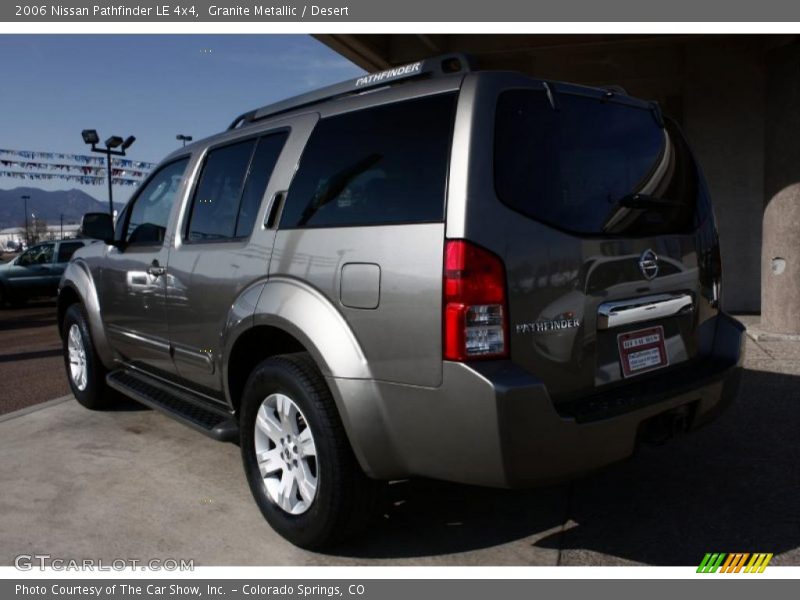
x: 98, y: 226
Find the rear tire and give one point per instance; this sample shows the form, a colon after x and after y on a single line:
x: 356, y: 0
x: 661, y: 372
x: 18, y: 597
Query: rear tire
x: 314, y: 498
x: 85, y: 371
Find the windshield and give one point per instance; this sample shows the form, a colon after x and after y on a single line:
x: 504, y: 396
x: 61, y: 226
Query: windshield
x: 592, y: 166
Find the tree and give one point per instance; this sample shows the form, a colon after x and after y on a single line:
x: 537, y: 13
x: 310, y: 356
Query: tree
x: 36, y: 232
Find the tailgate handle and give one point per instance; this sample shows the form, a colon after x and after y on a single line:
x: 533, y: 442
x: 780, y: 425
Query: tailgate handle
x: 646, y: 308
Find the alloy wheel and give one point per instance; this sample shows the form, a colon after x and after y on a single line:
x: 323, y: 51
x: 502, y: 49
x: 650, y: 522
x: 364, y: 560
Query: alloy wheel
x: 286, y: 454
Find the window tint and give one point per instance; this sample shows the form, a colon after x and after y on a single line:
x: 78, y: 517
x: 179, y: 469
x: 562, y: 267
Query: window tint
x: 67, y: 249
x: 592, y: 166
x: 216, y: 198
x: 381, y: 165
x: 149, y: 214
x: 263, y: 163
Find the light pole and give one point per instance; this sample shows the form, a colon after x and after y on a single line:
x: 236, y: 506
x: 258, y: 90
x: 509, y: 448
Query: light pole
x: 90, y: 137
x: 25, y: 199
x: 184, y: 138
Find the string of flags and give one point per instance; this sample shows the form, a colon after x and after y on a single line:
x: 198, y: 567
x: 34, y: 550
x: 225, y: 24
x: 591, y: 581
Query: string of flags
x: 76, y: 168
x: 85, y: 170
x: 83, y: 159
x: 82, y: 179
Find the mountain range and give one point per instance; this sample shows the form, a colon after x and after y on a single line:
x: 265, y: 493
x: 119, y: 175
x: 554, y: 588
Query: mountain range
x: 49, y: 206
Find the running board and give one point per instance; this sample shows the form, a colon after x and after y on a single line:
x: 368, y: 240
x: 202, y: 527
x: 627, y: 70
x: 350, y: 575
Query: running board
x: 179, y: 404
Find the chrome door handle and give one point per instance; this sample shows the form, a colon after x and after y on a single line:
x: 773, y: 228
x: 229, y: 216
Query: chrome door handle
x: 155, y: 270
x: 646, y: 308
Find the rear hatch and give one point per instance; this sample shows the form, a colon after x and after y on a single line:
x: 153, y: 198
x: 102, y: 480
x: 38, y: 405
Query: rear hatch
x: 608, y: 240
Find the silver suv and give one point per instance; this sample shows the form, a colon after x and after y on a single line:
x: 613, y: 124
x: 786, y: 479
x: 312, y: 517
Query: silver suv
x: 426, y: 272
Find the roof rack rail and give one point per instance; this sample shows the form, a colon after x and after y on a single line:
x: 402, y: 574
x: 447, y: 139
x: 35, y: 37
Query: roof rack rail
x: 430, y: 67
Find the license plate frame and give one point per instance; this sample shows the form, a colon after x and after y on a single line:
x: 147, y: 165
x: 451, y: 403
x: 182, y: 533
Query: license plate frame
x: 642, y: 351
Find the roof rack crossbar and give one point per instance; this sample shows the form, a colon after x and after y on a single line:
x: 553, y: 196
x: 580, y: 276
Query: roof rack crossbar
x: 447, y: 64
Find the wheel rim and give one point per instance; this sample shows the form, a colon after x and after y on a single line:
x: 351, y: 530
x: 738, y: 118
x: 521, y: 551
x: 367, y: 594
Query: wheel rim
x: 77, y: 358
x: 286, y: 454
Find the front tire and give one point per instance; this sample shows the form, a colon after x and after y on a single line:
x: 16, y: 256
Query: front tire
x: 85, y: 372
x: 297, y: 459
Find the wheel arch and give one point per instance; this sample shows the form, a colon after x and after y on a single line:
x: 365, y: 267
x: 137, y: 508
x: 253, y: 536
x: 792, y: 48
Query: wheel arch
x: 291, y: 316
x: 77, y: 286
x: 300, y: 318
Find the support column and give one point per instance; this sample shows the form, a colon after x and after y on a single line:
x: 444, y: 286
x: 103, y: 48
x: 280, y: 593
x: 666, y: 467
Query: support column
x: 780, y: 251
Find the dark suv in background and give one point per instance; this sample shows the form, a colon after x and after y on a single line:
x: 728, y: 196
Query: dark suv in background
x: 472, y: 276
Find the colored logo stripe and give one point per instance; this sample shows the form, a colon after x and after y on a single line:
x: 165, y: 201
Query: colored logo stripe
x: 711, y: 562
x: 758, y: 563
x: 734, y: 562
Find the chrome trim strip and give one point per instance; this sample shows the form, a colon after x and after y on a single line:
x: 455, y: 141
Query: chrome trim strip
x: 646, y: 308
x: 193, y: 358
x: 138, y: 338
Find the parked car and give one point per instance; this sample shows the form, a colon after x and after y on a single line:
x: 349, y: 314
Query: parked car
x: 360, y: 287
x: 37, y: 271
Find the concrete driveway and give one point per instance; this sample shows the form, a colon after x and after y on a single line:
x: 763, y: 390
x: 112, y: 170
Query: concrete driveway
x: 132, y: 483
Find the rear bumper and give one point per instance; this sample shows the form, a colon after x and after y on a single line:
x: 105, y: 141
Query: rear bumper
x: 494, y: 423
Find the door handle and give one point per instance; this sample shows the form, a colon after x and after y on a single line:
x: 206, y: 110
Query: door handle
x: 155, y: 269
x: 275, y: 209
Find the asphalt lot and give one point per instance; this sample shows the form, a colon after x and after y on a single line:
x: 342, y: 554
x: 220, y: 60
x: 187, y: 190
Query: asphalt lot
x: 131, y: 483
x: 31, y: 363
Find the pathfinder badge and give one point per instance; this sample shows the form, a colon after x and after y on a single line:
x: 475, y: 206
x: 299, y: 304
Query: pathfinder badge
x: 547, y: 326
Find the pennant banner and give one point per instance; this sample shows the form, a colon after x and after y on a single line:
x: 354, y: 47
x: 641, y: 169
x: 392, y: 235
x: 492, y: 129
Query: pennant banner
x: 84, y: 170
x: 82, y: 179
x: 83, y: 159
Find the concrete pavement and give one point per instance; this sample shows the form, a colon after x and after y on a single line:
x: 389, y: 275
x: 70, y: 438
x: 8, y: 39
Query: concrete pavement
x: 131, y: 483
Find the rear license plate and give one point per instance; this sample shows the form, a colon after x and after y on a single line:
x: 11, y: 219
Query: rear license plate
x: 642, y: 351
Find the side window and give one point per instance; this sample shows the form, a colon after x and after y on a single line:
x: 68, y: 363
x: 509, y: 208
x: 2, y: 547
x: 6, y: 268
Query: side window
x: 386, y: 164
x: 215, y: 205
x: 149, y: 214
x: 231, y: 187
x: 38, y: 255
x: 263, y: 163
x: 67, y: 249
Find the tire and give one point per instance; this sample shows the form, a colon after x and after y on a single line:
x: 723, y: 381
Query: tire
x: 344, y: 497
x: 89, y: 389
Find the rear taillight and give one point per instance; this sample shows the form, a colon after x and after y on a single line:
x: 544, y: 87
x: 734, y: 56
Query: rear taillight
x: 475, y: 307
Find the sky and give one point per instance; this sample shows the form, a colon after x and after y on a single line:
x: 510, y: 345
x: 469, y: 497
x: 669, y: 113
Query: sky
x: 150, y: 86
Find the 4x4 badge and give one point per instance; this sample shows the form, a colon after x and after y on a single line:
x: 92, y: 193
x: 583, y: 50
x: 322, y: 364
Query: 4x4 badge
x: 648, y: 264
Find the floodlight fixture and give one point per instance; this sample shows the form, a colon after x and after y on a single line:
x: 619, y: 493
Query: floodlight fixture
x: 90, y: 136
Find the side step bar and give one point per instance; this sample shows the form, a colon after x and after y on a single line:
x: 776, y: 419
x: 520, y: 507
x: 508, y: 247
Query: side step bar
x: 179, y: 404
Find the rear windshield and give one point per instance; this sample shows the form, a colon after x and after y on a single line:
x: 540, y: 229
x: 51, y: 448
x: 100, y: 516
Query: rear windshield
x: 591, y: 166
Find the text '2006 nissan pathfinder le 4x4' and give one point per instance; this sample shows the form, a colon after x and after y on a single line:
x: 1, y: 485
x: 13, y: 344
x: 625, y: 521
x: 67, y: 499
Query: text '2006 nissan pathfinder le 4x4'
x: 471, y: 276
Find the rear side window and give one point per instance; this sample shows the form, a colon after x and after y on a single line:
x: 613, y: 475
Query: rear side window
x: 231, y: 187
x: 592, y: 167
x: 382, y: 165
x: 67, y: 249
x: 261, y: 167
x: 215, y: 205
